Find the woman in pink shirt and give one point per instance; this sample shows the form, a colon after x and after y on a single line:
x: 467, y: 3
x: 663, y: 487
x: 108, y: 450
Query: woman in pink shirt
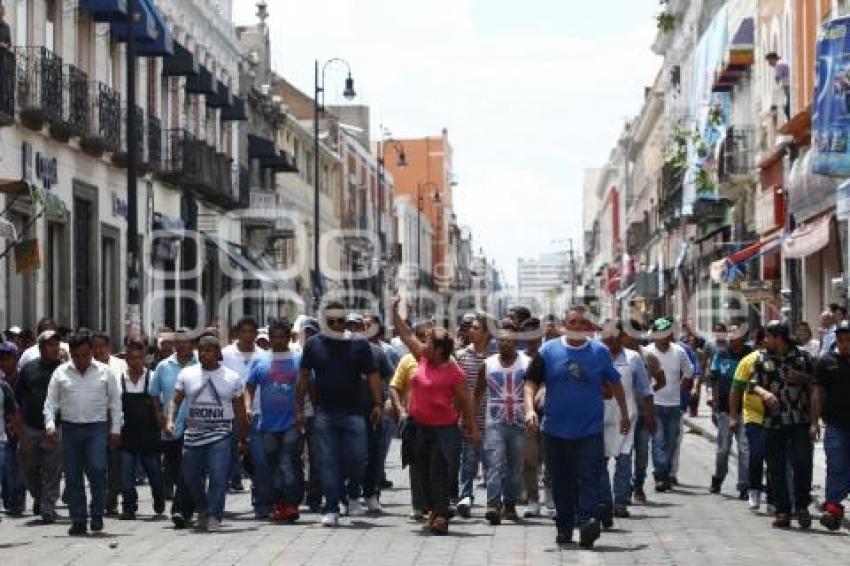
x: 438, y: 387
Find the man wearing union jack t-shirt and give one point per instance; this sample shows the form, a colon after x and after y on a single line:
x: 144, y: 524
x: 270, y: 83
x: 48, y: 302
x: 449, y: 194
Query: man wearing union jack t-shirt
x: 501, y: 383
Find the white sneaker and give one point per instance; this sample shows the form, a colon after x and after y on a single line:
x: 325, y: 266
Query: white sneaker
x: 547, y: 498
x: 373, y: 505
x: 532, y: 509
x: 330, y: 520
x: 546, y: 511
x: 355, y: 508
x: 771, y: 509
x: 213, y: 524
x: 755, y: 499
x: 464, y: 507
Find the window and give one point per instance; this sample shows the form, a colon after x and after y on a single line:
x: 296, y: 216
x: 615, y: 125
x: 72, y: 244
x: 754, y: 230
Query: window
x: 50, y: 27
x: 58, y: 286
x: 22, y: 23
x: 109, y: 288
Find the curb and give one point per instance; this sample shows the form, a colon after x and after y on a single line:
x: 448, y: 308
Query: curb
x: 712, y: 437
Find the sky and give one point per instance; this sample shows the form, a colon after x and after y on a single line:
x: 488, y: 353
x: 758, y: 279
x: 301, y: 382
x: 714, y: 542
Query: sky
x: 532, y: 94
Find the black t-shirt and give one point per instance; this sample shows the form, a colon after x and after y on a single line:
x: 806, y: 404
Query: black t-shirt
x: 833, y: 374
x: 31, y: 391
x: 5, y: 34
x: 339, y: 367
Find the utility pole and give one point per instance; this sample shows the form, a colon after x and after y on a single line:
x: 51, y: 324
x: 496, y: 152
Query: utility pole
x: 134, y: 309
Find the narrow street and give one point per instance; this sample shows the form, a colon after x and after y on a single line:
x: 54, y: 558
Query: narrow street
x: 684, y: 527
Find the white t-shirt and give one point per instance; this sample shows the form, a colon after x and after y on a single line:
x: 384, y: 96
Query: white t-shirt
x: 241, y: 362
x: 676, y: 366
x: 210, y: 396
x: 33, y: 353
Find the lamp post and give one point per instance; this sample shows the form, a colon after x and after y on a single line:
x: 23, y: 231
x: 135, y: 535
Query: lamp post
x: 419, y: 187
x: 134, y: 309
x: 318, y: 107
x: 401, y: 162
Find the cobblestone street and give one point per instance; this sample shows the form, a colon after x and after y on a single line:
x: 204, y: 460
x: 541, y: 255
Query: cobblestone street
x: 684, y: 527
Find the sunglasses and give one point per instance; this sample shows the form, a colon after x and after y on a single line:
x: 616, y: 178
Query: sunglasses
x: 336, y: 320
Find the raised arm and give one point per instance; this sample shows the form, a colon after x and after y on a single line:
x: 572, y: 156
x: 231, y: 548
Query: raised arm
x: 405, y: 333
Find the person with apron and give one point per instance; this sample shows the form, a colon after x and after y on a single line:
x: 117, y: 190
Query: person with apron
x: 215, y: 399
x: 139, y: 434
x: 636, y: 387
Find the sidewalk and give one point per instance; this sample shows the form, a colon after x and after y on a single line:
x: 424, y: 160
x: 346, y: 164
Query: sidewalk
x: 702, y: 425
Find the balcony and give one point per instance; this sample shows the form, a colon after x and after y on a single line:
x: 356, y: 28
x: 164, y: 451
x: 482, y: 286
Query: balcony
x: 637, y: 236
x: 670, y: 195
x: 737, y: 155
x: 195, y: 164
x: 7, y: 87
x: 119, y: 157
x: 103, y: 130
x: 154, y: 132
x: 40, y: 92
x: 76, y: 101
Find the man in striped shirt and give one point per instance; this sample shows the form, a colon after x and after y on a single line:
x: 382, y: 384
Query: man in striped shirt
x: 471, y: 359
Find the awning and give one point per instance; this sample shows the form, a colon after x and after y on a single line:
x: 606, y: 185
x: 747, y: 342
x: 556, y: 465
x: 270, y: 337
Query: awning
x: 221, y: 98
x: 181, y: 63
x: 235, y: 112
x: 236, y: 255
x: 739, y: 57
x: 260, y: 147
x: 202, y: 83
x: 153, y: 38
x: 105, y: 10
x: 808, y: 239
x: 283, y: 162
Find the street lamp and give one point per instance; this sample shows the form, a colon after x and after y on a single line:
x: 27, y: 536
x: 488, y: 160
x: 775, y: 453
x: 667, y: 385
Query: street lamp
x: 318, y: 106
x: 435, y: 198
x: 401, y: 161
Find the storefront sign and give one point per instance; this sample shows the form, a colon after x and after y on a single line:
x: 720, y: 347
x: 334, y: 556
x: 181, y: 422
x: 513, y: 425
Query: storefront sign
x: 831, y: 109
x: 27, y: 257
x: 42, y: 168
x: 119, y: 206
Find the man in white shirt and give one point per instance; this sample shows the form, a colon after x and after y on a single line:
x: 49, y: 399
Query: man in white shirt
x: 215, y: 399
x: 86, y: 394
x: 33, y: 352
x: 241, y: 357
x: 102, y: 352
x: 678, y: 373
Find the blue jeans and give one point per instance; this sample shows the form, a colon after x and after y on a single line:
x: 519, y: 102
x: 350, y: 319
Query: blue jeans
x: 84, y: 451
x: 622, y: 483
x: 214, y: 460
x: 504, y: 447
x: 642, y: 437
x: 755, y: 443
x: 342, y: 447
x: 836, y: 444
x: 261, y: 483
x: 665, y: 440
x: 283, y: 454
x: 724, y: 447
x: 575, y: 467
x: 153, y: 470
x: 470, y: 458
x: 14, y: 488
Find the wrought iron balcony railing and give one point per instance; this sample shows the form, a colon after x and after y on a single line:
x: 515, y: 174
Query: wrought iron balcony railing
x: 738, y: 154
x: 154, y: 132
x: 40, y: 92
x: 77, y: 100
x: 103, y: 131
x: 119, y: 156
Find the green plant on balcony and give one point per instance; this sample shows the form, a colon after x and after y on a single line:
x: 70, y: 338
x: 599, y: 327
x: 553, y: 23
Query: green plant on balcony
x: 677, y: 156
x: 704, y: 183
x: 715, y: 115
x: 665, y: 21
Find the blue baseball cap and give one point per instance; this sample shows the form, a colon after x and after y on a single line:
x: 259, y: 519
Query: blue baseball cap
x: 8, y: 348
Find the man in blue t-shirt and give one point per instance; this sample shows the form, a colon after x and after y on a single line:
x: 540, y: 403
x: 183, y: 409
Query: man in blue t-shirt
x: 277, y: 378
x: 338, y: 362
x: 574, y: 369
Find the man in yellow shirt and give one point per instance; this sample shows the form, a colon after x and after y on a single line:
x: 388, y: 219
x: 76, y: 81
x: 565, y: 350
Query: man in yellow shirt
x: 753, y: 416
x: 399, y: 397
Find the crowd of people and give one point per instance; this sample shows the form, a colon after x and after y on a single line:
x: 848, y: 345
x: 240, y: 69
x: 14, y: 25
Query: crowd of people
x: 308, y: 412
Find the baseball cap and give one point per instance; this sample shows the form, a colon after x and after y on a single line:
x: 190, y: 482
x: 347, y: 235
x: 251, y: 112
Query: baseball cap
x: 8, y: 348
x: 354, y: 317
x: 15, y: 331
x: 47, y: 335
x: 777, y: 328
x: 311, y: 324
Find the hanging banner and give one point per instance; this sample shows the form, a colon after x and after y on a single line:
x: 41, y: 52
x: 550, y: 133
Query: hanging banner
x: 831, y: 108
x: 842, y: 201
x: 807, y: 240
x: 27, y: 257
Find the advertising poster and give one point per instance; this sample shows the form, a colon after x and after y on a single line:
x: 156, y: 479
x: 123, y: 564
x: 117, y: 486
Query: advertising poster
x: 831, y: 108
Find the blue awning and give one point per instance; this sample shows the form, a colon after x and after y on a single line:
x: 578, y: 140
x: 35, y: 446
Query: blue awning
x: 153, y: 38
x: 105, y: 10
